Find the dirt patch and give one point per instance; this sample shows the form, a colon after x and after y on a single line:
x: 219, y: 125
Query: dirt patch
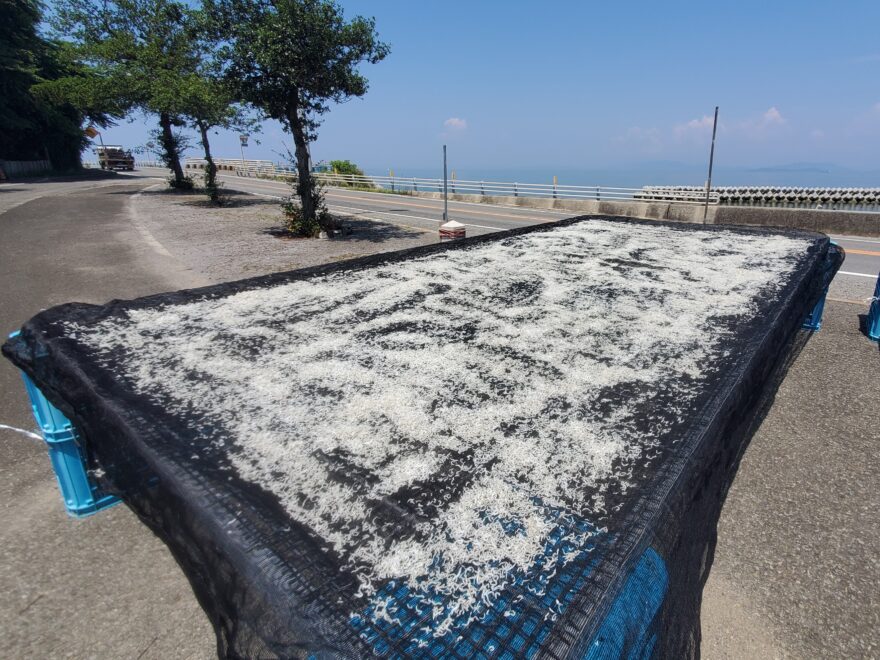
x: 241, y: 238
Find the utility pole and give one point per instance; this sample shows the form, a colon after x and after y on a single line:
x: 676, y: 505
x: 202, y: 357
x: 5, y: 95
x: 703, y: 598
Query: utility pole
x: 450, y: 230
x: 445, y: 189
x: 711, y: 160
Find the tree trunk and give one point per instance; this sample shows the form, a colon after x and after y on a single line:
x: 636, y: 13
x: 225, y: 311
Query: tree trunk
x: 305, y: 187
x: 210, y: 168
x: 170, y: 147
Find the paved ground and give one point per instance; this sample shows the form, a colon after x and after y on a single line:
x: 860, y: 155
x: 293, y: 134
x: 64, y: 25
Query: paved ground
x: 796, y: 571
x: 104, y: 586
x: 797, y: 568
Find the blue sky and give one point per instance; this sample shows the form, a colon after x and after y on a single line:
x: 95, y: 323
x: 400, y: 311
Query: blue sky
x: 592, y: 86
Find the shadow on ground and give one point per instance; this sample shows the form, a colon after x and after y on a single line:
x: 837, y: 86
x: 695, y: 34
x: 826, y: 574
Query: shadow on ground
x: 355, y: 230
x: 229, y: 199
x: 85, y: 175
x: 863, y: 327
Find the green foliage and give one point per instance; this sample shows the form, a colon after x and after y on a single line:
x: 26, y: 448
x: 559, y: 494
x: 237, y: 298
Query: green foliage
x: 290, y: 59
x: 295, y: 221
x: 146, y: 48
x: 345, y: 167
x: 213, y: 187
x: 186, y: 184
x: 46, y: 92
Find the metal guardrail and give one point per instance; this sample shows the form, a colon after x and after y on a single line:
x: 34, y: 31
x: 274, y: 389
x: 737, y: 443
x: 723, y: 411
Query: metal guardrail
x: 853, y: 199
x: 93, y: 164
x: 269, y: 170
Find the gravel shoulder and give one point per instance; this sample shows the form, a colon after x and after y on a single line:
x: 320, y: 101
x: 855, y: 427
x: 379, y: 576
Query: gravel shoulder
x: 235, y: 241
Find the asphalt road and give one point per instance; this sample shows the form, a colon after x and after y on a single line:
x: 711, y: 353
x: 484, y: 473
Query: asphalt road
x: 102, y: 587
x: 862, y: 261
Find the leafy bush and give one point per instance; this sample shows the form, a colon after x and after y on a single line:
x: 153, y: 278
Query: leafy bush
x: 213, y: 190
x: 345, y: 167
x: 296, y: 223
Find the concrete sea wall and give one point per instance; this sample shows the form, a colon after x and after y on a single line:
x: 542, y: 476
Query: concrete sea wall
x: 829, y: 222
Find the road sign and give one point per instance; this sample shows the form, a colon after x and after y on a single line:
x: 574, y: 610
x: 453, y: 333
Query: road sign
x: 244, y: 139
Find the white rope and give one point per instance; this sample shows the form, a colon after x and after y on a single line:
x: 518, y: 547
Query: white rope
x: 30, y: 434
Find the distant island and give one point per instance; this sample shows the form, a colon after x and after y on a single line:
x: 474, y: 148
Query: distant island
x: 796, y: 167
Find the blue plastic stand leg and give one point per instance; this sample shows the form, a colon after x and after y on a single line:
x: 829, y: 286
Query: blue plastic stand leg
x: 814, y: 319
x: 81, y: 496
x: 874, y: 313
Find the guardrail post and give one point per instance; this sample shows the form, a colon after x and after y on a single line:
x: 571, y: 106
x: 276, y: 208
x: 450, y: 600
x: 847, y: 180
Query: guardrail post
x: 597, y: 193
x: 415, y: 185
x: 554, y: 186
x: 514, y: 190
x: 482, y: 189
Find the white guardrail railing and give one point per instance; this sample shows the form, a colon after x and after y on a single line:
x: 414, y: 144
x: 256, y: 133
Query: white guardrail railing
x: 268, y: 170
x: 93, y: 164
x: 852, y: 199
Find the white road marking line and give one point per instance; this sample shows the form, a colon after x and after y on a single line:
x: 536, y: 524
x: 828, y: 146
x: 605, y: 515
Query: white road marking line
x: 853, y: 240
x: 145, y: 233
x: 845, y: 272
x: 397, y: 197
x: 359, y: 210
x: 30, y: 434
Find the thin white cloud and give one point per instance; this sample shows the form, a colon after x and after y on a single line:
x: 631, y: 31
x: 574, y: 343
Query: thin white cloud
x: 772, y: 117
x: 694, y: 127
x: 455, y: 124
x: 863, y: 59
x: 766, y: 125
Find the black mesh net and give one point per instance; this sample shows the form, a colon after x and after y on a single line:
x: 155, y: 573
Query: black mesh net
x: 511, y: 446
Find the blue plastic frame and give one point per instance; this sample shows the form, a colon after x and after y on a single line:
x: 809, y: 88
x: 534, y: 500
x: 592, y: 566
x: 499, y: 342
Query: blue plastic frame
x: 873, y: 324
x: 81, y: 495
x: 814, y: 319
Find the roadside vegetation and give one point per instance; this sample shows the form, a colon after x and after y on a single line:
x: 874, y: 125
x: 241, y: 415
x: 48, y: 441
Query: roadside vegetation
x: 345, y: 168
x: 47, y: 94
x: 290, y: 59
x: 203, y: 67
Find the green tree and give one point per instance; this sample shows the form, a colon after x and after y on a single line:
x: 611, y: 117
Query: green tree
x: 290, y: 59
x: 146, y: 47
x: 345, y: 167
x: 206, y: 102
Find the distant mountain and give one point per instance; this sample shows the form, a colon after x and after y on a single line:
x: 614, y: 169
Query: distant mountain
x: 815, y: 168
